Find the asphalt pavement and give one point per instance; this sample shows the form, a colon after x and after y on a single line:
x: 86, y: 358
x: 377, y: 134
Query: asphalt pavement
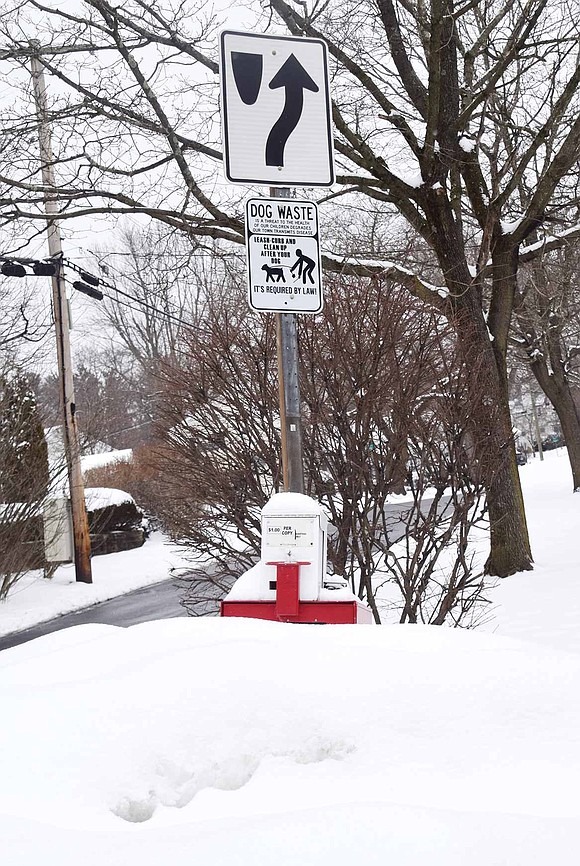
x: 160, y: 601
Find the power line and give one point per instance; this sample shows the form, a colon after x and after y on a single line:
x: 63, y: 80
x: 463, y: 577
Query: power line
x: 126, y: 277
x: 104, y: 283
x: 89, y: 285
x: 154, y: 309
x: 134, y: 282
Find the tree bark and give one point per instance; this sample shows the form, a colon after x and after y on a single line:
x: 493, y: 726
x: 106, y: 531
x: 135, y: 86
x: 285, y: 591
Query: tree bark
x: 542, y: 314
x: 484, y: 351
x: 510, y: 550
x: 557, y: 389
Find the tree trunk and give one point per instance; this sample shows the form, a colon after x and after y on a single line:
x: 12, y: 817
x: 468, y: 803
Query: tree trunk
x: 546, y: 351
x: 510, y: 548
x: 494, y: 446
x: 485, y: 362
x: 557, y: 389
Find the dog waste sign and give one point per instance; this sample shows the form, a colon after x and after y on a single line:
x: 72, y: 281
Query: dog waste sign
x: 283, y: 256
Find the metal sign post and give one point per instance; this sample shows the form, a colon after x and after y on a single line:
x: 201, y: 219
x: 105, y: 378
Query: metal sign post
x: 289, y: 394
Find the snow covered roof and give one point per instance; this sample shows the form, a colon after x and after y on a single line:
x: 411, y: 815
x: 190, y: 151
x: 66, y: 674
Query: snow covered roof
x: 107, y: 458
x: 102, y: 497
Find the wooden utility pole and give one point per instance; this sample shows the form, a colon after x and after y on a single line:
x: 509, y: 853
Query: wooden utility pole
x: 289, y: 390
x: 81, y: 538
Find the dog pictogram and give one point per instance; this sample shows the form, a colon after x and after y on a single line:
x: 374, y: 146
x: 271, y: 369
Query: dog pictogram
x: 273, y: 272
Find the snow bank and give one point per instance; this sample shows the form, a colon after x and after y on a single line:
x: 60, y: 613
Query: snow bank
x: 246, y: 742
x: 241, y: 743
x: 544, y: 604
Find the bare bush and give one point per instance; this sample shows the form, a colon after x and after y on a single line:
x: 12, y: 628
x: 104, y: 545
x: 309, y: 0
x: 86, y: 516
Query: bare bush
x: 434, y: 567
x: 387, y: 411
x: 138, y: 477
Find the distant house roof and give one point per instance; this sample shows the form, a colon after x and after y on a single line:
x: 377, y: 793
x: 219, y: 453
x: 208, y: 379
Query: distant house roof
x: 108, y: 458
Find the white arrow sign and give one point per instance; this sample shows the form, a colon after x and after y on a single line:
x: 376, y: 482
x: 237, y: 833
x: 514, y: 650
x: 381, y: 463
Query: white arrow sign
x: 276, y: 111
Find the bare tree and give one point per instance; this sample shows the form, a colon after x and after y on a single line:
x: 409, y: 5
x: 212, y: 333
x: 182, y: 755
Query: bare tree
x: 547, y: 332
x: 461, y: 118
x: 386, y: 412
x: 434, y: 565
x: 159, y: 283
x: 391, y: 415
x: 219, y: 456
x: 24, y: 321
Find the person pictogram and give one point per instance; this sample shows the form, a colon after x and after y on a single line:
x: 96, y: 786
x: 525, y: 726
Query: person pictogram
x: 305, y: 267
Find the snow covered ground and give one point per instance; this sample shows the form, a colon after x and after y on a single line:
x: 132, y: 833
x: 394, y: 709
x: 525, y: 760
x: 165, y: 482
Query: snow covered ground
x: 243, y: 742
x: 543, y: 605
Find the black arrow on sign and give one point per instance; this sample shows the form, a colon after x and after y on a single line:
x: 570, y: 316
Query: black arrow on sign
x: 294, y: 78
